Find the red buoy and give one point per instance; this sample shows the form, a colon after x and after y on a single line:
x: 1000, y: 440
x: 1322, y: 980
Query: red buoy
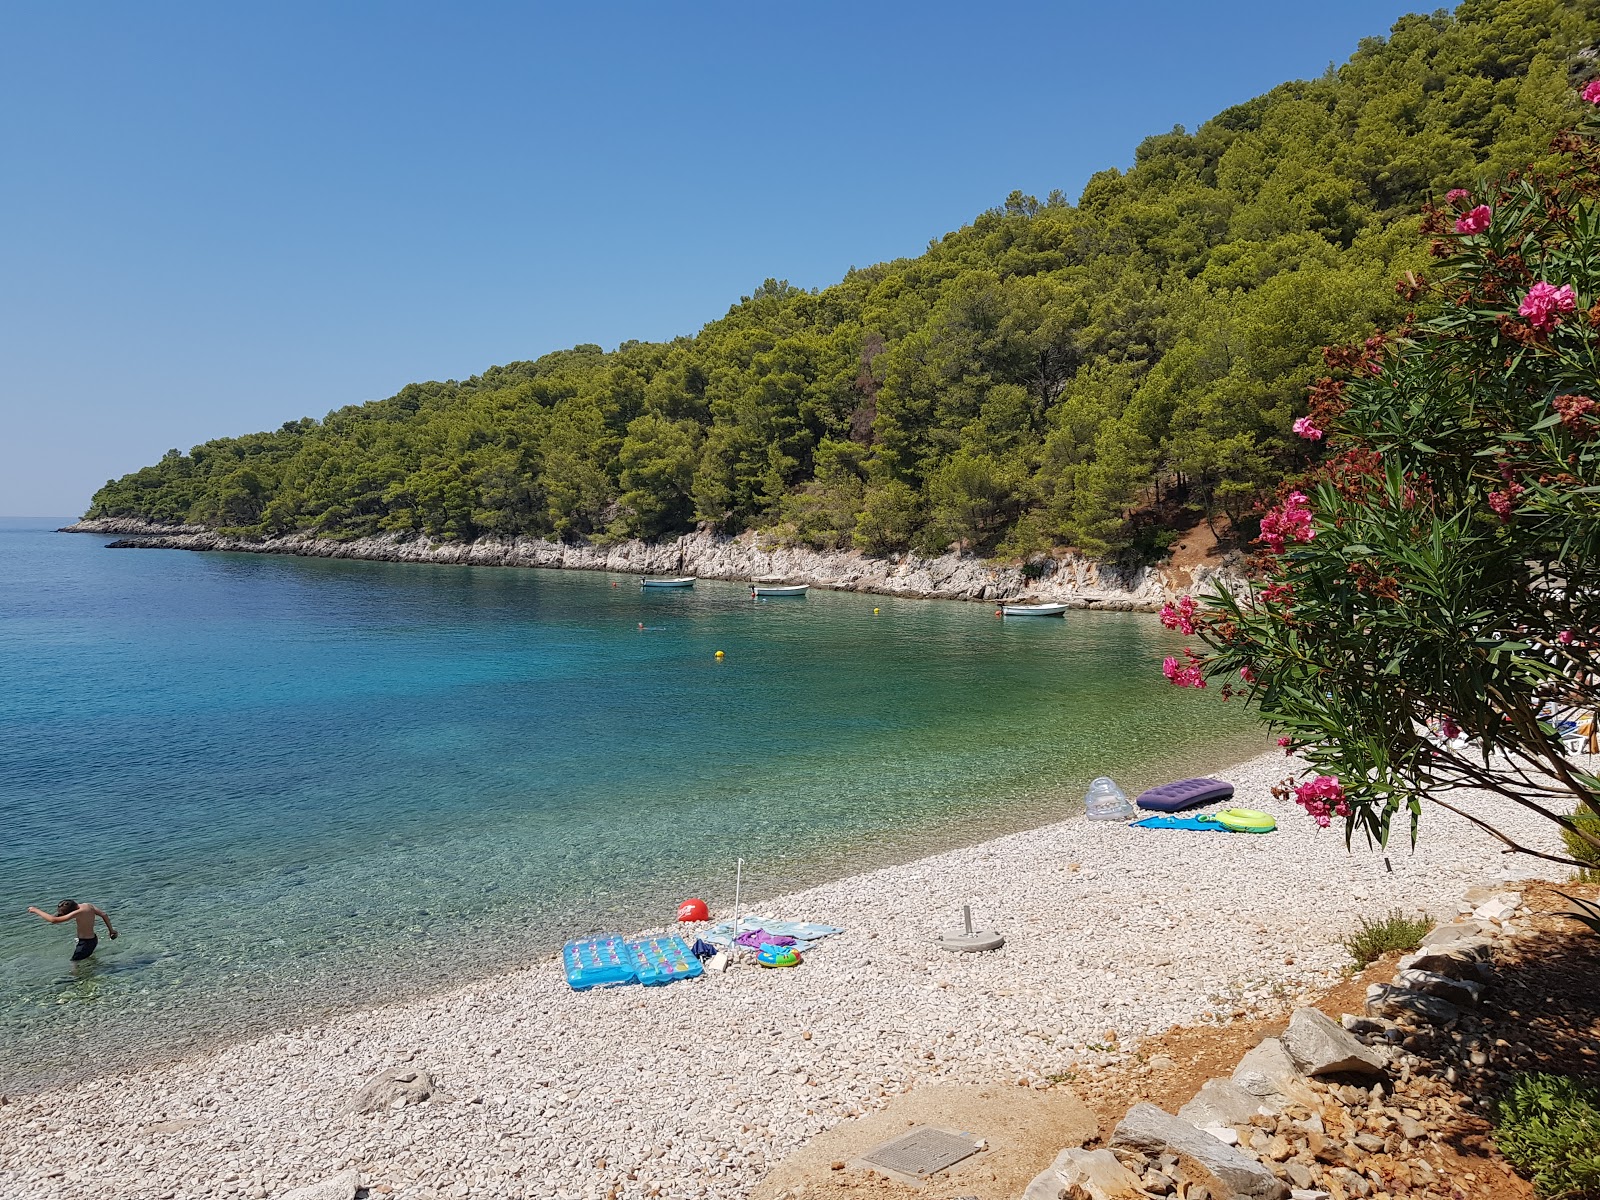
x: 693, y: 910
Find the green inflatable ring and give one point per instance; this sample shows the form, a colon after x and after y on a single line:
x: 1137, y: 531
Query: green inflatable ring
x: 1245, y: 820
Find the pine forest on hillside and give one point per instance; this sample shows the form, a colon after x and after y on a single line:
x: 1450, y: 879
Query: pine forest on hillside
x: 1089, y: 375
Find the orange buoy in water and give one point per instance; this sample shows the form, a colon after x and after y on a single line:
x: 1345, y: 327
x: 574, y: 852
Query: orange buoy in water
x: 693, y: 910
x: 999, y: 612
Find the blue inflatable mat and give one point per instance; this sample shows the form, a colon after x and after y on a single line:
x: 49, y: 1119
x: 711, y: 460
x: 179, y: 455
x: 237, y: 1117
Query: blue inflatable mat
x: 604, y: 961
x: 1179, y: 823
x: 660, y: 960
x: 1185, y: 793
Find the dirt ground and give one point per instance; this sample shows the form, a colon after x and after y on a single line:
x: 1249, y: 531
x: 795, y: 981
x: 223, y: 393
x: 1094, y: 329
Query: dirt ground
x: 1543, y: 1012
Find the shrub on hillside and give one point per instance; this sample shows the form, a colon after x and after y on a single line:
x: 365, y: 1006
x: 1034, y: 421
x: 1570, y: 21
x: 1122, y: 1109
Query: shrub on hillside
x: 1396, y: 931
x: 1548, y: 1128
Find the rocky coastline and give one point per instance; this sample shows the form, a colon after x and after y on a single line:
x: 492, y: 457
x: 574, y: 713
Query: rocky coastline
x: 1071, y: 579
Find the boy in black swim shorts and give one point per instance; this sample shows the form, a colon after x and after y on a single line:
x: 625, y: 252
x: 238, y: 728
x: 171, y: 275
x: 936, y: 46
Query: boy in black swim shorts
x: 84, y: 915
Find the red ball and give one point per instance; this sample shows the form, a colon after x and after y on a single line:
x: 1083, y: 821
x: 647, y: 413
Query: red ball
x: 693, y: 910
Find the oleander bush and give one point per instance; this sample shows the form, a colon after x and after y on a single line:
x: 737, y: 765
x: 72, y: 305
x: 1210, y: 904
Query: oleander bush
x: 1430, y: 592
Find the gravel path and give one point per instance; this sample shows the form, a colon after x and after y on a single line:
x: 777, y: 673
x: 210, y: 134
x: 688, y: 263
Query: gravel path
x: 692, y: 1090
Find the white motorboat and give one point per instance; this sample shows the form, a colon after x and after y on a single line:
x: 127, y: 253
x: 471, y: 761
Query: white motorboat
x: 1033, y: 610
x: 778, y: 589
x: 666, y: 583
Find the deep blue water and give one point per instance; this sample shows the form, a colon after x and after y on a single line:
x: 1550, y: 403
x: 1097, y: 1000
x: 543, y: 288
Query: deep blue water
x: 300, y: 785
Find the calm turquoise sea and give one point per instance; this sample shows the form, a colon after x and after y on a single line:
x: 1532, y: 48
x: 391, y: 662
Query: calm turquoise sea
x: 302, y: 785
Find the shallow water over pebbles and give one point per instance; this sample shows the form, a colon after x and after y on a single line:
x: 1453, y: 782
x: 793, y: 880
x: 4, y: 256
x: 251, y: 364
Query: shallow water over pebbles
x: 302, y: 785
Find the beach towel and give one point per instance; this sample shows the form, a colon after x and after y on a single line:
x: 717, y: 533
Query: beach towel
x: 805, y: 933
x: 757, y: 938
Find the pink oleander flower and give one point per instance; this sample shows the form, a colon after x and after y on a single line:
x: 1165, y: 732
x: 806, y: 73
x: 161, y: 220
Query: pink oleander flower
x: 1246, y: 674
x: 1591, y: 91
x: 1503, y: 502
x: 1449, y: 729
x: 1457, y: 195
x: 1474, y: 220
x: 1304, y: 427
x: 1322, y: 797
x: 1283, y: 743
x: 1545, y: 302
x: 1289, y: 522
x: 1184, y: 677
x: 1565, y: 636
x: 1182, y: 617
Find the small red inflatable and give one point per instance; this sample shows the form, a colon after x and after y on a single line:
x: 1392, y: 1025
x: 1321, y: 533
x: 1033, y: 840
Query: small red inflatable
x: 693, y: 910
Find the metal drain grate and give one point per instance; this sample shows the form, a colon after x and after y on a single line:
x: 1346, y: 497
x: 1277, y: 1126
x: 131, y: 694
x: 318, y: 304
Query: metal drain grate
x: 922, y: 1152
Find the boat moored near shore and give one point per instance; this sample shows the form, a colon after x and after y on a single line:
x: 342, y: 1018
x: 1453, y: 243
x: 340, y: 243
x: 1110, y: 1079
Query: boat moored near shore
x: 762, y: 587
x: 684, y: 582
x: 1033, y: 610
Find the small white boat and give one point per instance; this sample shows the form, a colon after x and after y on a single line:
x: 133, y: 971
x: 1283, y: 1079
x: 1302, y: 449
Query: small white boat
x: 778, y: 589
x: 1033, y: 610
x: 666, y: 583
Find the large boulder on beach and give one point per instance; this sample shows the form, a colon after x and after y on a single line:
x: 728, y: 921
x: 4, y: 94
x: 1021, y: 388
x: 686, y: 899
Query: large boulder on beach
x: 1468, y: 958
x: 1399, y: 1003
x: 394, y: 1089
x: 1457, y: 931
x: 1268, y: 1073
x: 1089, y: 1174
x: 1317, y: 1046
x: 342, y: 1186
x: 1222, y: 1102
x: 1460, y: 992
x: 1203, y: 1159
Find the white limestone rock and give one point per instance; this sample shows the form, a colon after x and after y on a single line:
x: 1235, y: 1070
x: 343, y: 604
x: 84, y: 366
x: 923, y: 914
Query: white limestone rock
x: 1268, y: 1073
x: 1460, y: 992
x: 394, y: 1089
x: 1223, y: 1169
x: 1317, y: 1046
x: 1385, y: 1000
x: 1089, y: 1174
x: 1223, y: 1102
x: 342, y: 1186
x: 1470, y: 958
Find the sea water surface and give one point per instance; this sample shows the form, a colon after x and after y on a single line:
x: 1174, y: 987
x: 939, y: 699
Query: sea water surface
x: 301, y: 785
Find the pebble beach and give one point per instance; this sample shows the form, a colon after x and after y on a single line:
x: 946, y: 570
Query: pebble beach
x: 696, y: 1089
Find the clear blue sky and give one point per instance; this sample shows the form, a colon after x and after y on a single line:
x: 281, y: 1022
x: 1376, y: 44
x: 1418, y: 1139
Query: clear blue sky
x: 218, y: 217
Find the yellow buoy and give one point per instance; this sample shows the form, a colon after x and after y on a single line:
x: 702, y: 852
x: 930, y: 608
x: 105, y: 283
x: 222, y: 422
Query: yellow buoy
x: 874, y: 612
x: 719, y: 653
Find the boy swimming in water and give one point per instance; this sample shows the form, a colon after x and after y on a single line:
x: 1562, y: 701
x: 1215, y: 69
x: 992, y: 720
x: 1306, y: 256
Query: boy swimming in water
x: 84, y: 915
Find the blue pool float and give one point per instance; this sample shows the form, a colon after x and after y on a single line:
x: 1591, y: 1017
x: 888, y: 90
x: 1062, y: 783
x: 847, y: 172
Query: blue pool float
x: 602, y: 961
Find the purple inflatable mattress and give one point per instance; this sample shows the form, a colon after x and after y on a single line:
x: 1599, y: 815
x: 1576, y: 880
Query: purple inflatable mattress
x: 1185, y: 793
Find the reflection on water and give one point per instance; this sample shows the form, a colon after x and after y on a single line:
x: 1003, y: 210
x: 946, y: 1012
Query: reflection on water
x: 301, y: 785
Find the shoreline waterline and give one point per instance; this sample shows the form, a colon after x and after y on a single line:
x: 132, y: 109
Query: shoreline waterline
x: 850, y: 864
x: 318, y: 785
x: 698, y: 1088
